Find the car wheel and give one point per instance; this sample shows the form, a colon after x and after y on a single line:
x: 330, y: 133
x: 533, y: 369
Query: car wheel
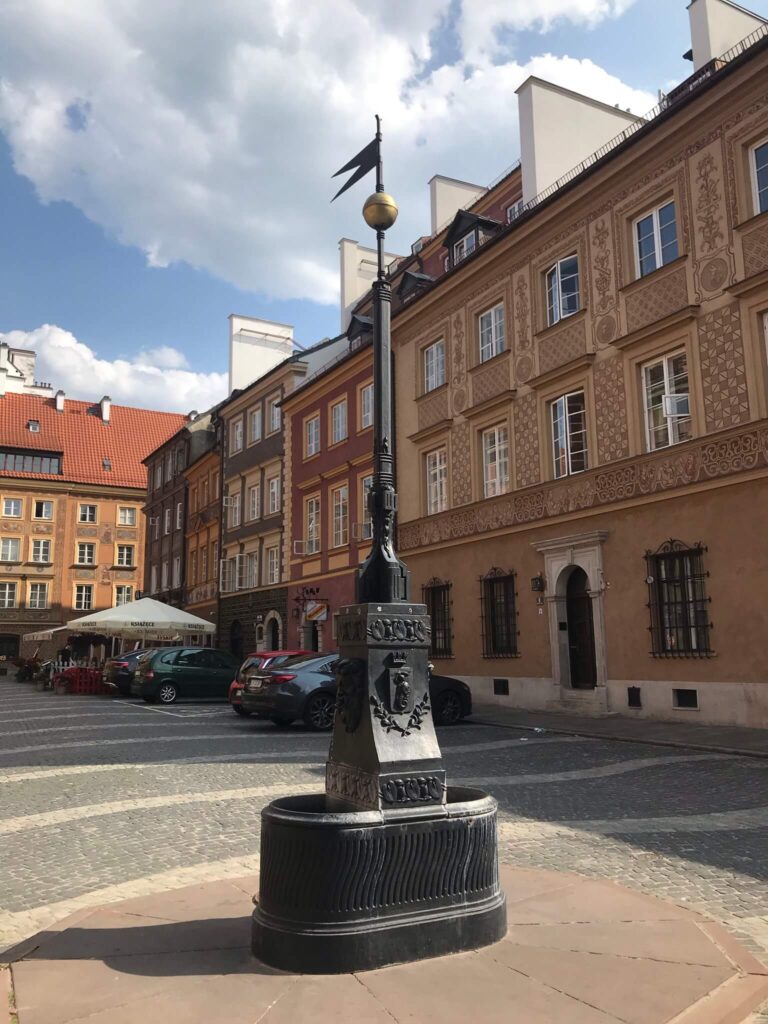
x: 280, y: 721
x: 318, y: 714
x: 167, y: 693
x: 447, y: 710
x: 240, y: 711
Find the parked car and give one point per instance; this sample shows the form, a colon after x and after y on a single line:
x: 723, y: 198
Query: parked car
x: 167, y: 673
x: 305, y: 688
x: 256, y: 663
x: 119, y: 671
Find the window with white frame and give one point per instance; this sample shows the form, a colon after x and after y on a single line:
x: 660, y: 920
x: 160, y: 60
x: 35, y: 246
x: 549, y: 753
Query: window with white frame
x: 339, y: 421
x: 656, y: 239
x: 562, y: 289
x: 12, y: 508
x: 273, y: 564
x: 492, y: 332
x: 123, y: 595
x: 464, y: 247
x: 254, y: 425
x: 7, y: 595
x: 254, y: 501
x: 367, y: 522
x: 126, y: 516
x: 168, y: 515
x: 177, y: 571
x: 164, y: 576
x: 436, y: 468
x: 84, y: 597
x: 125, y: 554
x: 38, y: 595
x: 495, y: 447
x: 179, y: 514
x: 234, y: 510
x: 204, y: 493
x: 251, y: 570
x: 273, y: 413
x: 366, y: 407
x: 158, y: 476
x: 236, y: 436
x: 666, y: 401
x: 312, y: 525
x: 86, y: 553
x: 312, y: 436
x: 273, y: 495
x: 434, y: 366
x: 87, y: 514
x: 204, y: 563
x: 10, y: 549
x: 760, y: 176
x: 156, y: 527
x: 340, y: 506
x: 169, y: 467
x: 41, y: 551
x: 153, y: 576
x: 43, y: 510
x: 569, y: 434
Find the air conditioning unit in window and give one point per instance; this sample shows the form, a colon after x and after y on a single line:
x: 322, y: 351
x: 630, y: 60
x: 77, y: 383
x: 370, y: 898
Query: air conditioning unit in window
x: 231, y: 502
x: 676, y: 406
x: 154, y: 520
x: 299, y: 547
x: 362, y: 531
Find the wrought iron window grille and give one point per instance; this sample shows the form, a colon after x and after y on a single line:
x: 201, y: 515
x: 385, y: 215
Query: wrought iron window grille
x: 677, y: 600
x: 498, y: 618
x: 436, y: 595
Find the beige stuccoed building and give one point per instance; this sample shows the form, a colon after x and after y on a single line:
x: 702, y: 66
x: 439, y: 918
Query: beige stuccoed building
x: 582, y: 405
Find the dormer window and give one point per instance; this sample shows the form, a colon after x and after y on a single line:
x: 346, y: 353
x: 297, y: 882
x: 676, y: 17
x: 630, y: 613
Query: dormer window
x: 33, y: 426
x: 464, y: 247
x: 106, y: 464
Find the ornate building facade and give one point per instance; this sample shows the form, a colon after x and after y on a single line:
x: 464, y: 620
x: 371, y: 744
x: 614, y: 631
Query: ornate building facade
x: 582, y: 413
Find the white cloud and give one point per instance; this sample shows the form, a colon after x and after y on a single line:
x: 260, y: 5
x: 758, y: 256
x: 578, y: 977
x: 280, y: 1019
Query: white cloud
x: 163, y: 356
x: 73, y: 366
x: 208, y: 133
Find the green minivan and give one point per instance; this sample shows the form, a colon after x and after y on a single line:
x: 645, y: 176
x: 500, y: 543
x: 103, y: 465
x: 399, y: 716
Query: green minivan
x: 167, y: 673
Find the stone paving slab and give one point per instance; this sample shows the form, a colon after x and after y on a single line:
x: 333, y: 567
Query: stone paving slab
x: 577, y: 951
x: 727, y: 739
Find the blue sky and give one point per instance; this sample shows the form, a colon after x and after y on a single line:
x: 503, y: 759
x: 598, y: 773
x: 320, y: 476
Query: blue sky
x: 81, y: 262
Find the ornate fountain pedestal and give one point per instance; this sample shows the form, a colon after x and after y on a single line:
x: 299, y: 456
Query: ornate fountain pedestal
x: 389, y: 865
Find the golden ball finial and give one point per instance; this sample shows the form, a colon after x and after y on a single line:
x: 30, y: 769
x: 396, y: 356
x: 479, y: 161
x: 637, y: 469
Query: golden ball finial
x: 380, y: 211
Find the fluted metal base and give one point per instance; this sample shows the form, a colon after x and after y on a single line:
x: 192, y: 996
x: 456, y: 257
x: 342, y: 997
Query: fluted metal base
x: 349, y: 891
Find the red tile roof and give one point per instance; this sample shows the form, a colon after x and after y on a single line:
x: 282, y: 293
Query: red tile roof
x: 84, y: 440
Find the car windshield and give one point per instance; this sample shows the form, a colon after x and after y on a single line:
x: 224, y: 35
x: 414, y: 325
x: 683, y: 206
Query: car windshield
x: 304, y: 659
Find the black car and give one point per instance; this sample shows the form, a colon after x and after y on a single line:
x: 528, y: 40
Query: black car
x: 119, y: 671
x: 306, y: 689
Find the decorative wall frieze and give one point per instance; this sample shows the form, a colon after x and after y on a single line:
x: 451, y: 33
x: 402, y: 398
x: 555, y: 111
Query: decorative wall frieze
x: 526, y: 440
x: 661, y: 296
x: 723, y: 373
x: 611, y: 410
x: 489, y: 381
x: 433, y: 408
x: 461, y: 464
x: 754, y: 245
x: 561, y: 346
x: 681, y: 466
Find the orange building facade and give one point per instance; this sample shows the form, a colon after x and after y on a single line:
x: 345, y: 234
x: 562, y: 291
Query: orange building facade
x: 72, y: 489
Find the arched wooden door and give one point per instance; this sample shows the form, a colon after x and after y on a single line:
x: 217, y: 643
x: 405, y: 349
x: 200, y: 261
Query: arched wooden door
x: 581, y: 631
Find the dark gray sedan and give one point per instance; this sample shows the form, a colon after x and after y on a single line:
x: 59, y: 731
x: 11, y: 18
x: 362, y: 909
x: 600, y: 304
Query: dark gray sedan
x: 306, y: 689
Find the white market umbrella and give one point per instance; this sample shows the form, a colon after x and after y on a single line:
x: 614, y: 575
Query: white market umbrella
x: 143, y: 620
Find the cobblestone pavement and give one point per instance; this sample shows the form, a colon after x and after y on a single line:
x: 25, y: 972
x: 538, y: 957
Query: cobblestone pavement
x: 106, y: 799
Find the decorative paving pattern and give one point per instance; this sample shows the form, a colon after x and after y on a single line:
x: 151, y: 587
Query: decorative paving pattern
x: 610, y: 402
x: 724, y: 379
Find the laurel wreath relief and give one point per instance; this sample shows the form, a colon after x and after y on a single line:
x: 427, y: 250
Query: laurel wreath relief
x: 391, y: 724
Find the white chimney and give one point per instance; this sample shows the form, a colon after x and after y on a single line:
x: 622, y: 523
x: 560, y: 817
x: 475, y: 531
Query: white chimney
x: 447, y: 196
x: 357, y: 267
x: 716, y: 26
x: 106, y: 405
x: 255, y: 347
x: 558, y: 129
x: 59, y: 399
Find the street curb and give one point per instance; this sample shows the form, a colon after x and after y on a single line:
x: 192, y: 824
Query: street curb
x: 580, y: 731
